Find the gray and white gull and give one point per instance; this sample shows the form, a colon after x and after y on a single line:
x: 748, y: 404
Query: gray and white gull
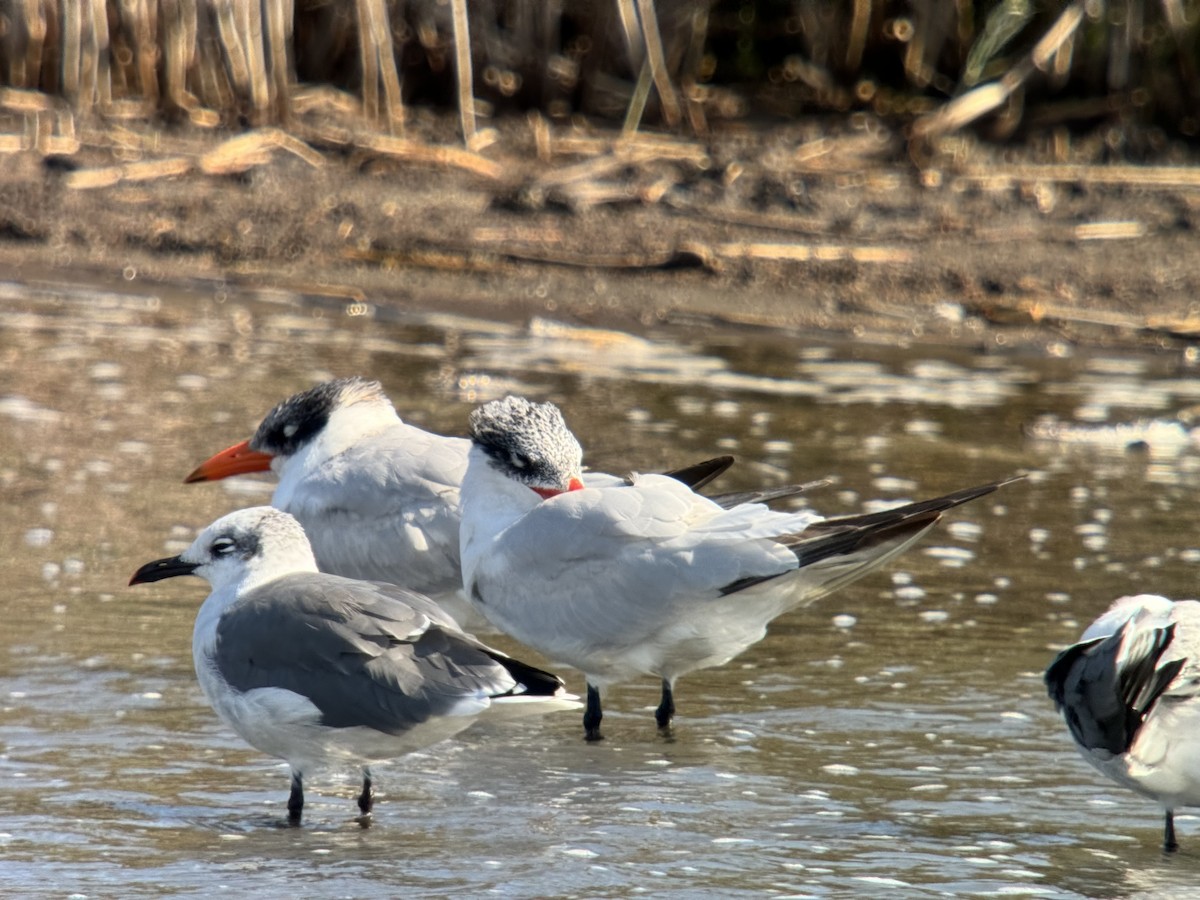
x: 323, y: 671
x: 645, y: 576
x: 1129, y: 691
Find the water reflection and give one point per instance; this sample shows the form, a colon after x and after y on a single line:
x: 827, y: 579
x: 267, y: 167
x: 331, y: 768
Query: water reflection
x: 896, y: 737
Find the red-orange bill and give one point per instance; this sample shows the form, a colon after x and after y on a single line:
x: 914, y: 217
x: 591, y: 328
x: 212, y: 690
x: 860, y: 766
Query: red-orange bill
x: 236, y: 460
x: 546, y: 493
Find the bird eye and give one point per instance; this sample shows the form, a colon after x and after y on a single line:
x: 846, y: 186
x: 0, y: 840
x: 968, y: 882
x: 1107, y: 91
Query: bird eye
x: 290, y: 429
x: 518, y: 461
x: 221, y: 546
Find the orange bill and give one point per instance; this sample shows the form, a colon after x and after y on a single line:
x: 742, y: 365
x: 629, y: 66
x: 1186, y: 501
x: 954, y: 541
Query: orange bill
x: 236, y: 460
x: 546, y: 493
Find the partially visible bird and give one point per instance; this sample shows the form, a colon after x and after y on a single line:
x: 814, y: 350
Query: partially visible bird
x: 324, y: 671
x: 647, y: 576
x: 1130, y: 694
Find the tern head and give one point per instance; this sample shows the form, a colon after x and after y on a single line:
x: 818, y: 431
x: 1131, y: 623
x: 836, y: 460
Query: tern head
x: 293, y: 425
x: 244, y: 548
x: 530, y: 443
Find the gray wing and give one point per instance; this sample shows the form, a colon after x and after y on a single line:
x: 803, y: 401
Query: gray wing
x: 766, y: 495
x: 698, y: 475
x: 1106, y: 687
x: 364, y: 653
x: 402, y: 468
x: 389, y: 510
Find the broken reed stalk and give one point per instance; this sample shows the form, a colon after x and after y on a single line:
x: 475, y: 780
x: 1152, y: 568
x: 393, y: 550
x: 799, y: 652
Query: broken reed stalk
x: 653, y: 46
x: 979, y: 101
x: 377, y: 62
x: 462, y: 66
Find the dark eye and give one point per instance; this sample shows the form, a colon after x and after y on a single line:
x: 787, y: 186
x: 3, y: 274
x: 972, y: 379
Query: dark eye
x: 517, y: 460
x: 221, y: 546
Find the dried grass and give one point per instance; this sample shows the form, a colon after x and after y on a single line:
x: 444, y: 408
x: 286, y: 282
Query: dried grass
x: 935, y: 65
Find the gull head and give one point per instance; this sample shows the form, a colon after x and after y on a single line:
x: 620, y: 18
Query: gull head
x: 243, y: 549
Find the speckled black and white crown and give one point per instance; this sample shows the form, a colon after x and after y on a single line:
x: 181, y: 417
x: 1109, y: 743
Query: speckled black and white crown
x: 527, y: 441
x: 298, y: 419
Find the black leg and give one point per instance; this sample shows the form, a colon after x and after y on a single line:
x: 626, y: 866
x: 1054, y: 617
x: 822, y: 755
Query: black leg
x: 592, y: 715
x: 1170, y: 845
x: 367, y: 798
x: 666, y: 709
x: 296, y: 799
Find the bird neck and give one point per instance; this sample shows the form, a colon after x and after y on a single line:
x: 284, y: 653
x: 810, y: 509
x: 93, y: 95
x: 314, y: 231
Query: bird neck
x: 490, y: 503
x: 294, y: 558
x: 350, y: 424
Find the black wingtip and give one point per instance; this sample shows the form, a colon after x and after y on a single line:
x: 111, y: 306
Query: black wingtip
x: 844, y: 535
x: 532, y: 681
x: 1058, y: 670
x: 924, y: 508
x: 699, y: 474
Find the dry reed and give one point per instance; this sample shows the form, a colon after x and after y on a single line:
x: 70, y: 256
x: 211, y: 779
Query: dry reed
x: 931, y: 66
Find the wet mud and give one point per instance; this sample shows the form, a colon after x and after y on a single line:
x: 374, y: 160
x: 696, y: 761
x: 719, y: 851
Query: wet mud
x: 770, y: 227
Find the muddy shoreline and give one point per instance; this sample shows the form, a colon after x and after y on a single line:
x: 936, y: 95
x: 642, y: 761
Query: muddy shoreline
x: 777, y: 227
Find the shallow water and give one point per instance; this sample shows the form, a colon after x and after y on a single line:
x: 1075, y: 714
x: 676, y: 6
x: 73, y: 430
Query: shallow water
x: 893, y: 739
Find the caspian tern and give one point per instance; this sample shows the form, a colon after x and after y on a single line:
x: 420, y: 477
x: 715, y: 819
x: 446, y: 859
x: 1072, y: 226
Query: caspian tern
x: 647, y: 577
x: 378, y: 498
x: 321, y: 670
x: 1130, y: 694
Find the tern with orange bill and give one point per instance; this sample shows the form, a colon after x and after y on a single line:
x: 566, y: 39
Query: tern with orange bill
x: 645, y: 577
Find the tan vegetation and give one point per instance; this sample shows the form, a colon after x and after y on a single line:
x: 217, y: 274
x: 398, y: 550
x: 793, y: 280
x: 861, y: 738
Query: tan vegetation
x: 934, y: 65
x: 857, y: 147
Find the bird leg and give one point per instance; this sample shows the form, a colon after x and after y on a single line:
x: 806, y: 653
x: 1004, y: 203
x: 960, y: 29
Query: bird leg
x: 592, y: 715
x: 296, y: 799
x: 666, y: 709
x: 1170, y: 845
x: 367, y: 798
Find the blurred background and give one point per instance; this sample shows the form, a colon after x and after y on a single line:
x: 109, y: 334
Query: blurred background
x: 1014, y: 67
x: 828, y: 166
